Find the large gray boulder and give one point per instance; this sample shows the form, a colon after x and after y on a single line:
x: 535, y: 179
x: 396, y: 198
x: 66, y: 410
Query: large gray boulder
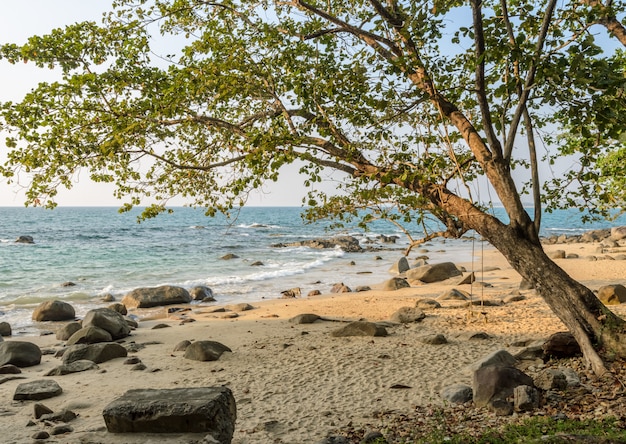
x: 108, y: 320
x: 19, y: 353
x: 54, y: 311
x: 433, y: 272
x: 98, y: 353
x: 209, y: 410
x: 156, y: 296
x: 205, y: 350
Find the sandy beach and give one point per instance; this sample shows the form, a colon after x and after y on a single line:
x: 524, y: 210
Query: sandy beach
x: 296, y: 383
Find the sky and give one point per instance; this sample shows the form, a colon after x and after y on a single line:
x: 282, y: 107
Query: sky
x: 18, y: 21
x: 22, y: 19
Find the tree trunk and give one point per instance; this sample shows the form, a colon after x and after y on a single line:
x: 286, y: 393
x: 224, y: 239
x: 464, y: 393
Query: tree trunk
x: 593, y: 325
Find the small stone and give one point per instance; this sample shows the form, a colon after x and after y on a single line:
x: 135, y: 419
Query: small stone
x: 182, y: 345
x: 35, y: 390
x: 40, y: 410
x: 61, y: 429
x: 159, y: 326
x: 42, y: 434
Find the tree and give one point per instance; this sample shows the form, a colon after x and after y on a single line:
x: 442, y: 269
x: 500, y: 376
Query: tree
x: 411, y: 101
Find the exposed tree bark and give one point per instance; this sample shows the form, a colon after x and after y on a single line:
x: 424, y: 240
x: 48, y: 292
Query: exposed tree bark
x: 592, y: 324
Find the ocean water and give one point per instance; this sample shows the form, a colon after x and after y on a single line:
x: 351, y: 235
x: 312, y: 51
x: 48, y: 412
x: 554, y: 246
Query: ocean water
x: 104, y: 252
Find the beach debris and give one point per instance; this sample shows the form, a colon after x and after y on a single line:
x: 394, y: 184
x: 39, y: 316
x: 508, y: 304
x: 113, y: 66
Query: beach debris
x: 240, y: 307
x: 132, y: 360
x: 483, y: 303
x: 500, y: 358
x: 36, y: 390
x: 408, y: 315
x: 61, y: 429
x: 98, y: 353
x: 340, y: 288
x: 295, y: 292
x: 229, y: 256
x: 40, y: 435
x: 400, y: 267
x: 433, y: 272
x: 5, y: 329
x: 60, y: 416
x: 433, y: 339
x: 457, y: 393
x: 513, y: 297
x: 557, y: 254
x: 10, y: 369
x: 496, y: 383
x: 561, y: 345
x: 202, y: 293
x: 108, y: 320
x: 467, y: 279
x: 618, y: 233
x: 526, y: 285
x: 551, y: 379
x: 161, y: 325
x: 73, y: 367
x: 427, y: 304
x: 395, y: 283
x: 182, y: 345
x: 25, y: 240
x: 118, y: 307
x: 360, y: 328
x: 305, y: 318
x: 612, y: 294
x: 348, y: 244
x: 67, y: 330
x: 526, y: 398
x: 108, y: 298
x: 156, y: 296
x: 89, y: 335
x: 454, y: 295
x: 40, y: 409
x: 205, y: 351
x: 19, y: 353
x: 54, y: 311
x: 179, y: 410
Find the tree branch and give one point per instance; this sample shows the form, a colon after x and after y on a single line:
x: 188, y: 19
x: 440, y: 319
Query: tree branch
x: 530, y: 79
x: 479, y: 40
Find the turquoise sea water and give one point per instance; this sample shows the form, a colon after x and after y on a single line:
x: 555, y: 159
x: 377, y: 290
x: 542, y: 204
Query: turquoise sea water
x: 104, y: 252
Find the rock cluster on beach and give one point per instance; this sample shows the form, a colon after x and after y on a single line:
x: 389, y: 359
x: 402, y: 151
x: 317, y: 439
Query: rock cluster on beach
x: 227, y: 378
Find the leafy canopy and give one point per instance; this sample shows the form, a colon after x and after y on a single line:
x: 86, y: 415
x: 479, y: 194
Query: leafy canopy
x: 209, y: 100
